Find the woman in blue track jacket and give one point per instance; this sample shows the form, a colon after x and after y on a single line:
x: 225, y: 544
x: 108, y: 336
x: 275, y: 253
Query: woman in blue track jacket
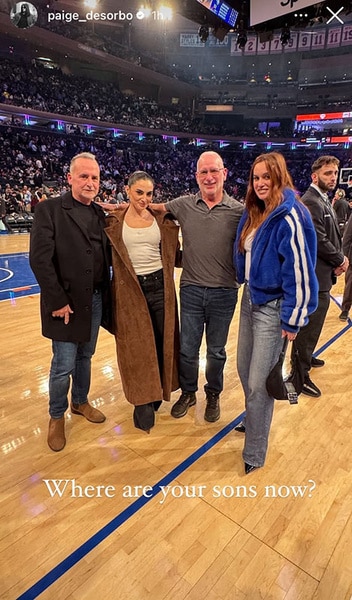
x: 275, y: 255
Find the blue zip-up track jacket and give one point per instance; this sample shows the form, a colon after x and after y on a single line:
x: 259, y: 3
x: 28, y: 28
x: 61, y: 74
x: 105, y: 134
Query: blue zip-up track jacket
x: 283, y: 261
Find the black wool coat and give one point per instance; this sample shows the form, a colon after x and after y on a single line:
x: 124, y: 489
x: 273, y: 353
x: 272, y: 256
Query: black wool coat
x: 61, y: 258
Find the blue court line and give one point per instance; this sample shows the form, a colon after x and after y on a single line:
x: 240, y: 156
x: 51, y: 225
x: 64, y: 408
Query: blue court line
x: 333, y: 339
x: 337, y: 336
x: 339, y: 305
x: 102, y: 534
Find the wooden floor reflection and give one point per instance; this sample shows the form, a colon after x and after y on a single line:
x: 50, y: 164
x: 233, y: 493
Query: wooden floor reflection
x: 281, y: 533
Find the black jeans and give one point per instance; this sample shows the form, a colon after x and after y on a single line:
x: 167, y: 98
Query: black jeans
x: 153, y: 289
x: 308, y: 336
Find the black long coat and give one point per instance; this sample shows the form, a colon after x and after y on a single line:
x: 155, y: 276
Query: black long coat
x: 61, y: 257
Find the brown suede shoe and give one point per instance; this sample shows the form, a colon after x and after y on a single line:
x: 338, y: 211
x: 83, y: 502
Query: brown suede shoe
x: 86, y: 410
x: 56, y: 434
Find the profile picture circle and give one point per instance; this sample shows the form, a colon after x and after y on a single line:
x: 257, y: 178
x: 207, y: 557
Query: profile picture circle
x: 24, y: 15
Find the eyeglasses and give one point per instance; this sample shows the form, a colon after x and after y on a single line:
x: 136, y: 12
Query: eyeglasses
x: 213, y: 172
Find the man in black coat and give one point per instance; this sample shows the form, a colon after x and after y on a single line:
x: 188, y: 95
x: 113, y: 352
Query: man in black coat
x: 349, y: 191
x: 341, y: 208
x: 3, y: 216
x: 347, y: 293
x: 331, y: 261
x: 69, y: 256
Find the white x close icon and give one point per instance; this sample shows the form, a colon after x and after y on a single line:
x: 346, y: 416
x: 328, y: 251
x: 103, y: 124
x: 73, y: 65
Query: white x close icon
x: 335, y: 15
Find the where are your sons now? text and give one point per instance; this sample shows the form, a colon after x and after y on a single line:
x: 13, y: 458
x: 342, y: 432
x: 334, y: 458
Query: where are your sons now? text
x: 69, y: 487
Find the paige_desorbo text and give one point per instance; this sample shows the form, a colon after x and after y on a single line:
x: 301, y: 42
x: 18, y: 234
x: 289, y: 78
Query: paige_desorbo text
x: 70, y: 487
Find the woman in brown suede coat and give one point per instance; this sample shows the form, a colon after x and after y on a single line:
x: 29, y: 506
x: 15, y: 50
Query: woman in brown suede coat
x: 145, y: 250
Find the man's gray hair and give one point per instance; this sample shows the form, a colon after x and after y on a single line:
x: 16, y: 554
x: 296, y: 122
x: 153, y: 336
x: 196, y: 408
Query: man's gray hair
x: 88, y: 155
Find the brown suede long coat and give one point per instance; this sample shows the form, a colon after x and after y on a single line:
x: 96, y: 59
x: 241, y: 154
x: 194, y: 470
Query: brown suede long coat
x: 135, y: 343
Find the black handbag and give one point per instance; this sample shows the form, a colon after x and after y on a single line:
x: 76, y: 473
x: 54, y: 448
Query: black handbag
x: 291, y: 387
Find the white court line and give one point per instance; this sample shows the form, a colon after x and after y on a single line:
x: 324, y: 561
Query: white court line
x: 6, y: 278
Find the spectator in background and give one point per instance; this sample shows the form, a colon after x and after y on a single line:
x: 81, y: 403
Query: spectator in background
x: 347, y: 293
x: 122, y: 194
x: 349, y: 192
x: 341, y: 208
x: 3, y: 215
x: 27, y: 196
x: 331, y: 261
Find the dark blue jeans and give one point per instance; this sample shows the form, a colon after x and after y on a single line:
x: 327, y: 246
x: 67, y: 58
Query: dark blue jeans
x: 73, y: 359
x: 212, y: 309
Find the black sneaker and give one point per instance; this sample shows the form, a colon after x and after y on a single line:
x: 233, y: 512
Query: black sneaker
x: 212, y: 411
x: 317, y: 362
x: 241, y: 427
x: 310, y: 389
x: 343, y: 316
x: 185, y: 401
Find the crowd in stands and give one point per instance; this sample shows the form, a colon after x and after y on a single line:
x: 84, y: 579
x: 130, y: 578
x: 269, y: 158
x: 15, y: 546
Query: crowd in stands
x: 33, y: 165
x: 30, y: 85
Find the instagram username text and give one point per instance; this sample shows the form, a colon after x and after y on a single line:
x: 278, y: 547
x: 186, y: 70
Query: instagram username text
x: 68, y: 17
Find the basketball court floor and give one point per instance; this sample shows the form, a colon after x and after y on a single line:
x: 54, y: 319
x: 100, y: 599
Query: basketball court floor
x: 120, y: 514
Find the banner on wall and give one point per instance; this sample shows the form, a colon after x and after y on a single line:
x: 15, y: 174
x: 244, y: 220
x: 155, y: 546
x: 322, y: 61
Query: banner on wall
x: 190, y: 40
x: 304, y: 41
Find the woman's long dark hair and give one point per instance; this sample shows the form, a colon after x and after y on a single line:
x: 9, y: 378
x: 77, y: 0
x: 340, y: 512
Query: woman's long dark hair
x: 257, y: 209
x: 25, y: 9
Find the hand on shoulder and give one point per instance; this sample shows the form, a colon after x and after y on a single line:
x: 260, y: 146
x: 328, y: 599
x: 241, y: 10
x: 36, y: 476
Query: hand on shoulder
x: 111, y: 207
